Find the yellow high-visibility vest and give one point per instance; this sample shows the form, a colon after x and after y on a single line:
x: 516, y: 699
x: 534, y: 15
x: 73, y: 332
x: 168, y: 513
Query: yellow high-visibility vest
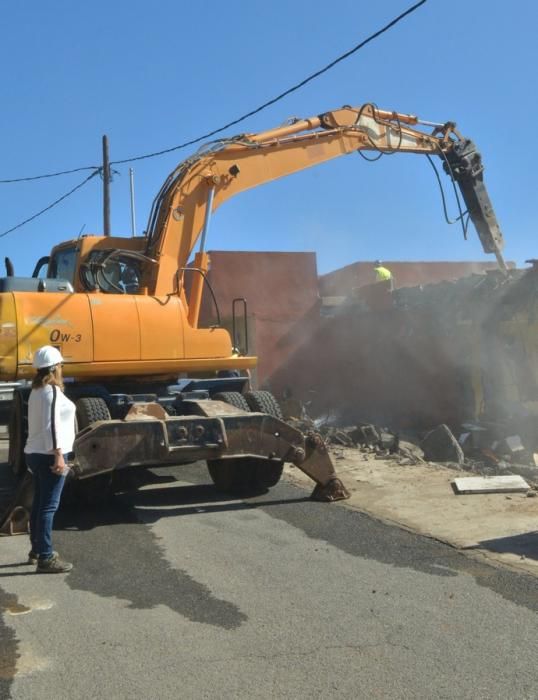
x: 382, y: 273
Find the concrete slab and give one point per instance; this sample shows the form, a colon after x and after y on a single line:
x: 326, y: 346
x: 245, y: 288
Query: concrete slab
x: 510, y: 483
x: 503, y: 527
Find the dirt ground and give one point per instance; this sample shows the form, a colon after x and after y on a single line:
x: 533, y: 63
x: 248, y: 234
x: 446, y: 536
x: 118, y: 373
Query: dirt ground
x: 501, y: 527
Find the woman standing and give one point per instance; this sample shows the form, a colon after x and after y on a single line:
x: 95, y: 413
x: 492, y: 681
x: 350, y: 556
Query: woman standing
x: 51, y: 433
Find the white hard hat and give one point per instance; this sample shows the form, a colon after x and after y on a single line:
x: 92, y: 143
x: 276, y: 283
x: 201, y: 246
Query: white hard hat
x: 47, y: 356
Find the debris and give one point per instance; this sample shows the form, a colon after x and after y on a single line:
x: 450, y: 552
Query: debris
x: 475, y: 436
x: 406, y: 462
x: 411, y: 451
x: 513, y: 443
x: 463, y: 438
x: 366, y: 435
x: 440, y: 445
x: 511, y: 483
x: 340, y: 437
x: 387, y: 441
x: 490, y: 455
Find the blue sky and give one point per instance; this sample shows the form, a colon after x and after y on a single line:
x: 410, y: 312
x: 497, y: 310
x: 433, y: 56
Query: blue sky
x: 152, y: 75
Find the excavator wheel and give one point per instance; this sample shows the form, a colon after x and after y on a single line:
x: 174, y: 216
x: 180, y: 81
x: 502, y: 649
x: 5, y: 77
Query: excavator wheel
x: 263, y: 402
x: 91, y: 409
x: 18, y: 431
x: 248, y: 475
x: 239, y: 477
x: 97, y: 489
x: 234, y: 398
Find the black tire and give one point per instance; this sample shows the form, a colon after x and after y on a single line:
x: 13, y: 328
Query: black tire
x: 249, y: 475
x: 245, y: 476
x: 234, y: 398
x: 231, y: 475
x: 18, y: 432
x: 97, y: 489
x: 90, y: 410
x: 263, y: 402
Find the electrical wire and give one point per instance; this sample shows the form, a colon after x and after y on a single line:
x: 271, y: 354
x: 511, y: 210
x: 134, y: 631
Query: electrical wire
x: 50, y: 206
x: 41, y: 177
x: 287, y: 92
x: 279, y: 97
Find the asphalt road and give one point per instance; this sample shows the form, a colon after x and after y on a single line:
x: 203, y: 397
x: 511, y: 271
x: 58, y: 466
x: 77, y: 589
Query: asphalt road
x: 179, y: 593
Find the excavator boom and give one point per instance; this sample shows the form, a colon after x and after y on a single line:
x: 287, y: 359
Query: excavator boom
x: 222, y: 169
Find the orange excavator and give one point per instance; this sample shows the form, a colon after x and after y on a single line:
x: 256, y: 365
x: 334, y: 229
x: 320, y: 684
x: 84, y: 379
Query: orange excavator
x: 150, y: 385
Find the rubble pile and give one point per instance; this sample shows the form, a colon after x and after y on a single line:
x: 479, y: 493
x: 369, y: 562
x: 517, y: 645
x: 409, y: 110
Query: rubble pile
x: 487, y: 449
x: 370, y: 439
x: 495, y: 449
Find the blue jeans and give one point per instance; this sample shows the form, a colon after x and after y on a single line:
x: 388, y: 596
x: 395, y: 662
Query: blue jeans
x: 47, y: 492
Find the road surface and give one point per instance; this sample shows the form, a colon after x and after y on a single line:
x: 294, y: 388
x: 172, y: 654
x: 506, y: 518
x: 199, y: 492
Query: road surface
x: 178, y: 592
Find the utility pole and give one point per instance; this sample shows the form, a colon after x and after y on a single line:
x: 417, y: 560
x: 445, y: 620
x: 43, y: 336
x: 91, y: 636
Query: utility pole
x: 133, y: 217
x: 106, y: 188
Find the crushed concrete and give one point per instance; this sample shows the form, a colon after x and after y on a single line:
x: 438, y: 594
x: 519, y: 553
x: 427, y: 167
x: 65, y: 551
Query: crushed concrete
x: 482, y: 450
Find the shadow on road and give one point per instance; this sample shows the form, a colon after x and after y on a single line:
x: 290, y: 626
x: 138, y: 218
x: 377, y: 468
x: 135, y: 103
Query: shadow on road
x: 524, y: 545
x: 159, y: 496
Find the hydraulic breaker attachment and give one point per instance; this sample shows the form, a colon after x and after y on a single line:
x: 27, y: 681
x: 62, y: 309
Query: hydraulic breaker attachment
x: 17, y: 517
x: 464, y: 163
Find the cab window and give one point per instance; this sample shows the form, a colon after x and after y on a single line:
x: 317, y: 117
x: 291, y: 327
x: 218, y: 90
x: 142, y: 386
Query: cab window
x: 63, y: 264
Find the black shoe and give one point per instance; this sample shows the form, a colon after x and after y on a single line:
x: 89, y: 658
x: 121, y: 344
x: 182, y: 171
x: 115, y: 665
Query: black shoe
x: 53, y: 565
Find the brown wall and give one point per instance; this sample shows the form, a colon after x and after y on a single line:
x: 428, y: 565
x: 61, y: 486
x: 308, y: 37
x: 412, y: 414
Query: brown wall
x: 281, y: 289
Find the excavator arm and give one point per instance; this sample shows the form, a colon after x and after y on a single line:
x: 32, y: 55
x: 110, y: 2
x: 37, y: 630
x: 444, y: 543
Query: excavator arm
x: 182, y: 210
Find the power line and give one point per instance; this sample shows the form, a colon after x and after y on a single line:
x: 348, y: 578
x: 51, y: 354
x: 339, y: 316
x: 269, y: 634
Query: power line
x: 41, y: 177
x: 50, y: 206
x: 282, y: 94
x: 287, y: 92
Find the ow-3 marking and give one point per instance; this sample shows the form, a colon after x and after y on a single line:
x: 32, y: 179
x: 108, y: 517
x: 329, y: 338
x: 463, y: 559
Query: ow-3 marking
x: 59, y: 336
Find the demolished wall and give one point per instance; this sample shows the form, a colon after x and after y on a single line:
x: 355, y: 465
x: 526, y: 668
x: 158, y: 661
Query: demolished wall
x: 406, y: 274
x: 445, y: 353
x: 448, y: 352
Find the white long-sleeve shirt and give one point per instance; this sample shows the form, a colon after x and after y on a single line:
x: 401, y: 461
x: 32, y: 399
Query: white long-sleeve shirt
x: 50, y: 428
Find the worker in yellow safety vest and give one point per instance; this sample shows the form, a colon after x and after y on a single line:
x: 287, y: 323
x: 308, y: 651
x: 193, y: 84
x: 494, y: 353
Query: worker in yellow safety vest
x: 382, y: 274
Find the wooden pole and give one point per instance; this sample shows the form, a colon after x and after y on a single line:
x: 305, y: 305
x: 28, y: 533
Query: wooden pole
x: 106, y: 188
